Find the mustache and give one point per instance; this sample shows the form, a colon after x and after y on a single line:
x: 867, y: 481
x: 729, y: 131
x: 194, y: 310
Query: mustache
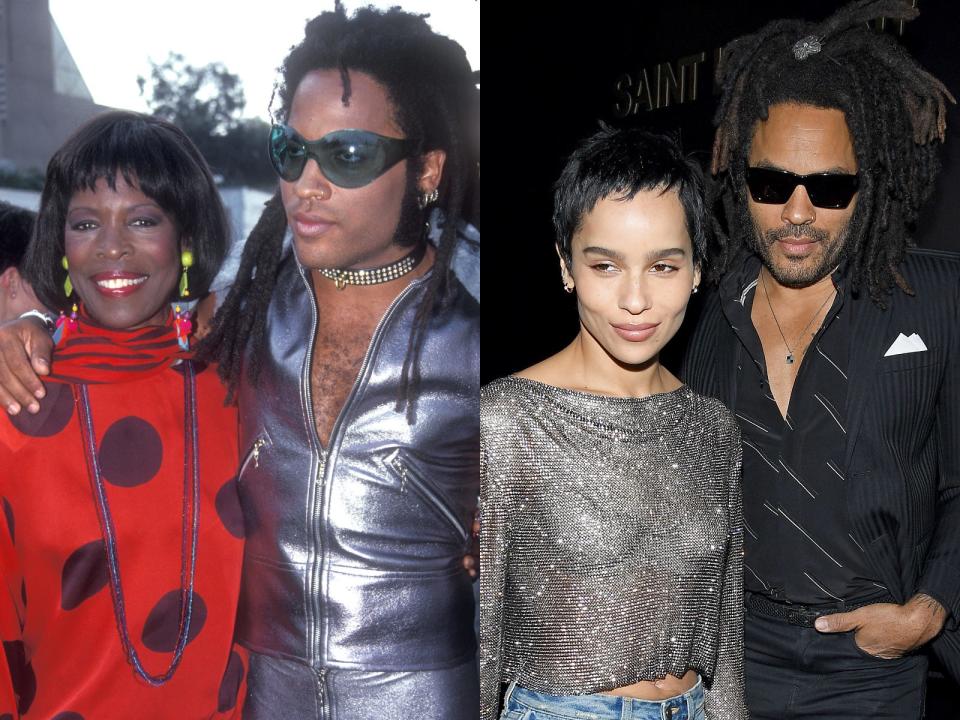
x: 795, y: 231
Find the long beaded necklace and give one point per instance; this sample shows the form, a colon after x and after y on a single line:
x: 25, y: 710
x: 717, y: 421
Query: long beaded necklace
x: 191, y: 524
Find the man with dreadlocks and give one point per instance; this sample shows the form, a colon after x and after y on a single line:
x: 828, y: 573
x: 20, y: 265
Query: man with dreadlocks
x: 355, y: 362
x: 837, y: 346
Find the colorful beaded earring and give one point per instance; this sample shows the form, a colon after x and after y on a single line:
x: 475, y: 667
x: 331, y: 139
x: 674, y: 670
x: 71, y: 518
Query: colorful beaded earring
x: 65, y: 325
x: 183, y: 326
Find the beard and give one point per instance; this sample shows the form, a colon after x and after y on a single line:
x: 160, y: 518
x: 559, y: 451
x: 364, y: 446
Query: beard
x: 830, y: 249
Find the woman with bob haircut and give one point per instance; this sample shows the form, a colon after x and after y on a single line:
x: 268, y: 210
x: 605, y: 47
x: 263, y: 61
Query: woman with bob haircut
x: 611, y: 543
x: 122, y: 544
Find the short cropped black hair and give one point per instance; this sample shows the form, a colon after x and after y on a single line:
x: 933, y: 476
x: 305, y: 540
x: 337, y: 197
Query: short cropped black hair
x: 16, y: 224
x: 619, y: 164
x: 148, y: 153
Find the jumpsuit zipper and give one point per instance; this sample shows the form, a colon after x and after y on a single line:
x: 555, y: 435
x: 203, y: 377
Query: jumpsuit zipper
x: 324, y: 454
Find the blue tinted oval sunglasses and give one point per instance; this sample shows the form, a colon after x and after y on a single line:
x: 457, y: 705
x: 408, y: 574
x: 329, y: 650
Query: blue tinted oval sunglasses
x: 347, y: 158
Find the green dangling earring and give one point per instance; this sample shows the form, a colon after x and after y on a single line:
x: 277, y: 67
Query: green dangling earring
x: 186, y: 259
x: 67, y: 285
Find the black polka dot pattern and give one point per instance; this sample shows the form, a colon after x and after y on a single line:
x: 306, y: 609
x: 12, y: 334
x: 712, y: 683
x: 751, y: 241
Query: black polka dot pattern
x: 163, y: 623
x: 85, y: 573
x: 56, y: 409
x: 230, y: 685
x: 6, y: 716
x: 21, y: 672
x: 130, y: 453
x: 67, y: 716
x: 228, y: 508
x: 11, y: 526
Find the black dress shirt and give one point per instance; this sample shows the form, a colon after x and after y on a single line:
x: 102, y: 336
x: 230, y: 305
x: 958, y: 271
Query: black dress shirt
x: 799, y: 544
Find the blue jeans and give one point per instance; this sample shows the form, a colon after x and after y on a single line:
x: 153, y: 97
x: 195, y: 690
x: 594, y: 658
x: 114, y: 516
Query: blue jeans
x: 523, y: 704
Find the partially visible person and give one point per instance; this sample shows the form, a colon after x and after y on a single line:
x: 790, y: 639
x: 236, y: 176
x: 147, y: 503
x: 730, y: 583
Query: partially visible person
x: 16, y: 295
x: 611, y: 533
x: 837, y: 346
x: 121, y: 537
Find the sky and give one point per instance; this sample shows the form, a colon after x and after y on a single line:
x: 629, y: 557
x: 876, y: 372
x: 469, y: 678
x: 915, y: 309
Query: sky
x: 113, y: 41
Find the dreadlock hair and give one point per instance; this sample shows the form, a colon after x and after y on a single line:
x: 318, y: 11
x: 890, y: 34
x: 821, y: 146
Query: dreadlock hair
x: 895, y: 111
x: 429, y: 82
x: 148, y: 153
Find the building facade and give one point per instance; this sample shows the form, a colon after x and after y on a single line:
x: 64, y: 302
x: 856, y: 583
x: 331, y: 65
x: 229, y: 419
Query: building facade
x: 43, y: 97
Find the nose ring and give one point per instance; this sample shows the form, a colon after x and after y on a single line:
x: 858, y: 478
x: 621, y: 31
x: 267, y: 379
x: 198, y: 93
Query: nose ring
x: 322, y: 193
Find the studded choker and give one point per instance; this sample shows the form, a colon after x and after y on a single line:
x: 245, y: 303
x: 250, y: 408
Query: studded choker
x: 375, y: 276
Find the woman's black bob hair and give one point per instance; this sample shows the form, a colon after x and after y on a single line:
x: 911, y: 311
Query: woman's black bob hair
x: 148, y: 153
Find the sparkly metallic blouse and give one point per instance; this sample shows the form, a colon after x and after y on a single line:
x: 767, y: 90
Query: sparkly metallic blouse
x: 611, y: 542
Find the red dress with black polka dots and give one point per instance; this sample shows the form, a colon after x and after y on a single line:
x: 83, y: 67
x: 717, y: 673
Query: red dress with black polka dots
x: 59, y: 622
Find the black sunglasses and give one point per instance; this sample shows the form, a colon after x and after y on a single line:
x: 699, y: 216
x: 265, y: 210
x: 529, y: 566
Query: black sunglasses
x: 347, y: 158
x: 825, y: 190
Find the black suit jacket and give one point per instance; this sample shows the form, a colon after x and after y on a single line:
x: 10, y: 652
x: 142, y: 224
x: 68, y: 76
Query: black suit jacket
x: 903, y: 439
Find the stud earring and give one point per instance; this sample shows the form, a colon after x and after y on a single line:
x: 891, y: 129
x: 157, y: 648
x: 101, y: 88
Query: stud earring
x: 186, y: 259
x: 696, y: 289
x: 67, y: 285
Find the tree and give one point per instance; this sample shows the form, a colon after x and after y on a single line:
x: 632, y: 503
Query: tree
x: 204, y: 100
x: 207, y: 103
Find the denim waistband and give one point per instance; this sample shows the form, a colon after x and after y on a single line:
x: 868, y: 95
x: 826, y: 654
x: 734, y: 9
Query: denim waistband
x: 609, y: 707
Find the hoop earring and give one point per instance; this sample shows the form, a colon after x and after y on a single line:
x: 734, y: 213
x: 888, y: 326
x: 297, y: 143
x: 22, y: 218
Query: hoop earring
x: 427, y: 198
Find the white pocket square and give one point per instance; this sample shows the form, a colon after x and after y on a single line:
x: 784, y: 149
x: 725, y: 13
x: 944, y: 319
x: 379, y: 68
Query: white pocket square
x: 904, y: 344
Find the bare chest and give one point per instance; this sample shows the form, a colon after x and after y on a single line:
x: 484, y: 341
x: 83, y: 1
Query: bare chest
x: 338, y: 352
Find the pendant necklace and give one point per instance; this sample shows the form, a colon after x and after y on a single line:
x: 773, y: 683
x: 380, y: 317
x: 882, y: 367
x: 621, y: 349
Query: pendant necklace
x: 789, y: 358
x: 191, y: 524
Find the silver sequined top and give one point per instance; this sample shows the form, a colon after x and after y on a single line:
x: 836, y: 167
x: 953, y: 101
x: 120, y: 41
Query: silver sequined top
x: 611, y: 546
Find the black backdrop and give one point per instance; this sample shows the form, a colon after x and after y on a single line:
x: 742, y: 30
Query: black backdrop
x: 554, y: 75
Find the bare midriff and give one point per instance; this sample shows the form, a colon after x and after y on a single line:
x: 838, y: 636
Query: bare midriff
x: 662, y: 689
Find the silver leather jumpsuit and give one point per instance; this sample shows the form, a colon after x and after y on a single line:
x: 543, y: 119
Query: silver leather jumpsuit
x: 354, y: 602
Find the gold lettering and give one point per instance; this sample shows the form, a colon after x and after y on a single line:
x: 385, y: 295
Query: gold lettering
x: 625, y: 107
x: 644, y: 99
x: 894, y: 27
x: 668, y: 87
x: 689, y: 76
x: 658, y: 86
